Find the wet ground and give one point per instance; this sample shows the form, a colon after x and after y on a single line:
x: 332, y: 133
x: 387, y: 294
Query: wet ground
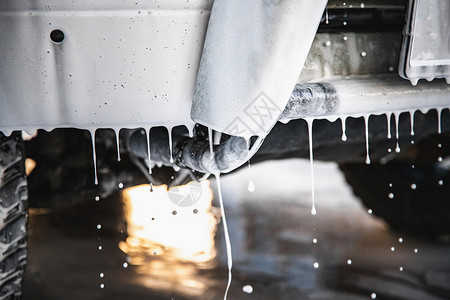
x: 142, y: 245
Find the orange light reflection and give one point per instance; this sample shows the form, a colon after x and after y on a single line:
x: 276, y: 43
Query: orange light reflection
x: 171, y: 235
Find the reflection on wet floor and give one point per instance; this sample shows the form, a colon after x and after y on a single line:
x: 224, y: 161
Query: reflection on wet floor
x: 158, y: 245
x: 171, y: 236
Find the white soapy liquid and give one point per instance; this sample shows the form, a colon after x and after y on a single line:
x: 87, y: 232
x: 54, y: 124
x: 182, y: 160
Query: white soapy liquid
x: 411, y: 118
x: 148, y: 152
x: 169, y: 130
x: 117, y: 132
x: 190, y: 130
x: 210, y: 139
x: 396, y: 120
x: 388, y: 119
x: 439, y: 110
x: 311, y: 158
x: 344, y: 136
x: 227, y: 236
x: 94, y: 155
x: 247, y: 289
x: 366, y: 124
x: 251, y: 186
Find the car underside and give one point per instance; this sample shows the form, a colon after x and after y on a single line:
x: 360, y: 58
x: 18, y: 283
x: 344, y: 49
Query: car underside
x: 123, y: 116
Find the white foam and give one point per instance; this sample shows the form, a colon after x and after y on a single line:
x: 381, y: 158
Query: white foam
x: 94, y: 155
x: 311, y: 161
x: 227, y: 236
x: 366, y: 126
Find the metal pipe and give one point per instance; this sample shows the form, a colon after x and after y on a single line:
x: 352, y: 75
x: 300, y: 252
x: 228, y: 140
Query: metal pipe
x: 360, y: 96
x: 354, y: 97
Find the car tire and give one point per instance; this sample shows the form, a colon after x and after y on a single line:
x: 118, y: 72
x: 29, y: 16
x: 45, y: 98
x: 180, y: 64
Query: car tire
x: 13, y: 214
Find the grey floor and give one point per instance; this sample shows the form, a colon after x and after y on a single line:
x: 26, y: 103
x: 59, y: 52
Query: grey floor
x: 157, y: 248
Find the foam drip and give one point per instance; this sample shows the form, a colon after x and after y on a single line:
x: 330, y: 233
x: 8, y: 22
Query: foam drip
x: 397, y: 120
x: 169, y: 130
x: 344, y: 136
x: 148, y: 152
x: 311, y: 160
x: 94, y: 155
x: 366, y: 127
x: 117, y: 132
x: 227, y: 236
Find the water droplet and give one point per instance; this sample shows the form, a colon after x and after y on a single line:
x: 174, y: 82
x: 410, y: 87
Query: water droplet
x: 311, y: 163
x: 389, y: 150
x: 344, y: 23
x: 125, y: 265
x: 363, y: 54
x: 97, y: 198
x: 349, y: 261
x: 400, y: 240
x: 195, y: 211
x: 373, y: 296
x: 343, y: 120
x: 369, y: 211
x: 440, y: 145
x: 170, y: 144
x: 102, y: 275
x: 391, y: 196
x: 99, y: 226
x: 366, y: 122
x: 441, y: 182
x: 327, y: 43
x: 316, y: 265
x: 439, y: 111
x: 411, y: 121
x: 413, y: 186
x: 174, y: 212
x: 247, y: 289
x: 413, y: 166
x: 151, y: 187
x: 345, y: 38
x: 102, y: 286
x: 390, y: 184
x: 439, y: 158
x: 251, y: 186
x: 100, y: 248
x: 210, y: 140
x: 117, y: 132
x: 392, y: 249
x: 362, y: 5
x: 401, y: 269
x: 94, y: 156
x: 416, y: 250
x: 391, y: 69
x: 227, y: 236
x: 315, y: 241
x: 149, y: 157
x: 120, y: 185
